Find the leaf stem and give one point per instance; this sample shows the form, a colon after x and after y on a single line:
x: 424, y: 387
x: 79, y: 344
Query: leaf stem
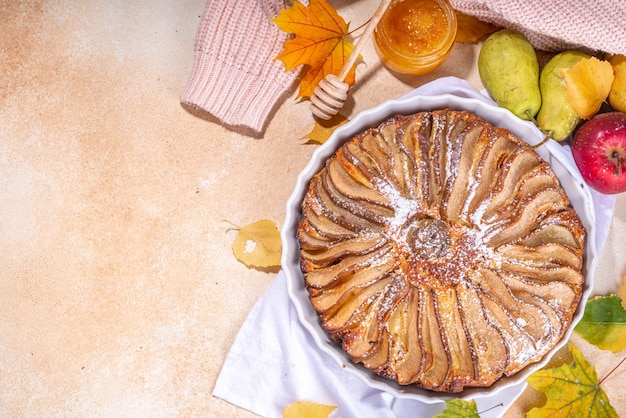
x: 358, y: 28
x: 489, y: 409
x: 233, y: 226
x: 611, y: 372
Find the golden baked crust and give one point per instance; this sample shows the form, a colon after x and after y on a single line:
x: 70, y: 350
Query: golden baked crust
x: 441, y: 251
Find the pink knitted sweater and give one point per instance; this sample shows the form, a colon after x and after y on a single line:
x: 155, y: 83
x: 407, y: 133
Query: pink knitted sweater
x: 556, y: 25
x: 236, y: 79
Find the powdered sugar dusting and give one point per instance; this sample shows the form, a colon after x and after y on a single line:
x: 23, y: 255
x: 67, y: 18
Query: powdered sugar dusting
x: 403, y: 208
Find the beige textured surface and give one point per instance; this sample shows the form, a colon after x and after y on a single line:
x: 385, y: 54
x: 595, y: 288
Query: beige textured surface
x: 119, y: 295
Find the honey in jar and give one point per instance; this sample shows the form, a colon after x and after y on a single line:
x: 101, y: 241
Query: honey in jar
x: 415, y: 36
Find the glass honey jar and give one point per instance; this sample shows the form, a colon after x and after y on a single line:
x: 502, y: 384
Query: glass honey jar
x: 415, y: 36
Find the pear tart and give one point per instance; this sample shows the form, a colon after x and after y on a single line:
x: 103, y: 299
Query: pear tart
x: 441, y: 251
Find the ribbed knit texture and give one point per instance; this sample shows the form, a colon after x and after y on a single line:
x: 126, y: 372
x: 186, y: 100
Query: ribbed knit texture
x: 235, y: 77
x: 555, y: 25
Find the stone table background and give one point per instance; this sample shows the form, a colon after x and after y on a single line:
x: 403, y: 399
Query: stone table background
x: 119, y: 294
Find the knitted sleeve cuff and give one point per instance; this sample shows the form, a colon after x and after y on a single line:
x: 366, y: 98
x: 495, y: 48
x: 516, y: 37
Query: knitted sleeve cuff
x: 235, y: 77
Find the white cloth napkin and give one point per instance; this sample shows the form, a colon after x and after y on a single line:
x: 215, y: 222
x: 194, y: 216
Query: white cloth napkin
x: 274, y: 362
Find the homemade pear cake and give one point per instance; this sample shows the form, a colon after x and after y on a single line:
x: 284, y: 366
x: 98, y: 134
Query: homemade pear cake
x: 441, y: 251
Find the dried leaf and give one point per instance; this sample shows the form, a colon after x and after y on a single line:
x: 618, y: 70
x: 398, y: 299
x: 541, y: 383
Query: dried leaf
x: 587, y: 85
x: 323, y: 129
x: 258, y: 245
x: 470, y: 29
x: 617, y: 95
x: 458, y: 408
x: 308, y: 410
x: 604, y: 323
x: 320, y: 42
x: 572, y: 390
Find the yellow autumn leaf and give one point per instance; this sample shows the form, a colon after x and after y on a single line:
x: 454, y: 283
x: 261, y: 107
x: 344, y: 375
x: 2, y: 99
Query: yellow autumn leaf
x: 307, y: 410
x: 572, y: 390
x: 470, y: 29
x: 587, y: 85
x: 258, y: 245
x: 617, y: 95
x: 323, y: 129
x: 320, y: 43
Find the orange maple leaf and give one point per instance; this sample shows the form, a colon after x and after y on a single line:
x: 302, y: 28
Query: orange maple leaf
x: 320, y: 42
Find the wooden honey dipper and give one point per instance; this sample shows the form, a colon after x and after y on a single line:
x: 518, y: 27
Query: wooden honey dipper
x: 331, y: 93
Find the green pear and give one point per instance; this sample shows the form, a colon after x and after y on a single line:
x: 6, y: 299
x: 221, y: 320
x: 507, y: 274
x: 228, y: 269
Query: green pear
x: 509, y: 70
x: 556, y: 118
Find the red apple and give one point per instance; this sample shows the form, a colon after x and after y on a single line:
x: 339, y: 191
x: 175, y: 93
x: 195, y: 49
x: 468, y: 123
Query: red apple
x: 599, y: 149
